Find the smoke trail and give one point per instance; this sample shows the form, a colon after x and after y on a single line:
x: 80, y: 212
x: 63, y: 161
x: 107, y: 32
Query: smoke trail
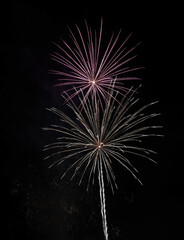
x: 102, y: 199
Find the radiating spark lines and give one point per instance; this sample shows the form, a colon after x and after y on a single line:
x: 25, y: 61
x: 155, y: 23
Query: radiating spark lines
x: 85, y: 65
x: 111, y: 135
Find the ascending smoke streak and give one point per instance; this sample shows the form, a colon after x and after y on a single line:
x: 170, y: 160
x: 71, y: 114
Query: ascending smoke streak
x: 102, y: 199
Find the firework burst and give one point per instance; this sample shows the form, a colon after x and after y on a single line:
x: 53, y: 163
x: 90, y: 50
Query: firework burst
x: 96, y: 138
x: 86, y: 66
x: 93, y: 137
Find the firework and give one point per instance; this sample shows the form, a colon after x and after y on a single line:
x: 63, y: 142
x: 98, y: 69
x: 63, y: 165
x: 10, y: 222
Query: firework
x: 112, y: 135
x: 90, y: 143
x: 87, y: 66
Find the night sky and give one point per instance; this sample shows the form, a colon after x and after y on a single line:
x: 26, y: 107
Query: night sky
x: 35, y: 204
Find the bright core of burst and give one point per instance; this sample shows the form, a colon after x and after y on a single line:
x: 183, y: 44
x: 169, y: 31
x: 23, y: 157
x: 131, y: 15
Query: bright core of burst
x: 93, y: 82
x: 100, y: 145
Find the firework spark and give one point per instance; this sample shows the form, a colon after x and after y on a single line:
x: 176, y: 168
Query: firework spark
x: 87, y: 66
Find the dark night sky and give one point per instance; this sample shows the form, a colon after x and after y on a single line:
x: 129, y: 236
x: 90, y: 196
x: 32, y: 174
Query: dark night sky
x: 34, y: 204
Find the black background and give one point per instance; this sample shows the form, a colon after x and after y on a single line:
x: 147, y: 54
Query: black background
x: 34, y: 203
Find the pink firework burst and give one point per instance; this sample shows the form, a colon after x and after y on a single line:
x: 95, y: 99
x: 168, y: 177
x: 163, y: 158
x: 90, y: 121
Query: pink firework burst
x: 88, y: 68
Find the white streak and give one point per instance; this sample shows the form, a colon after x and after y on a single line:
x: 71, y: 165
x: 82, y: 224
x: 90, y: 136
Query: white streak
x: 102, y: 199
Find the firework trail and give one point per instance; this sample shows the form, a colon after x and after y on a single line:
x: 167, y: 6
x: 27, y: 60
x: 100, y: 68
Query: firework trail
x: 89, y: 67
x: 90, y: 143
x: 102, y: 198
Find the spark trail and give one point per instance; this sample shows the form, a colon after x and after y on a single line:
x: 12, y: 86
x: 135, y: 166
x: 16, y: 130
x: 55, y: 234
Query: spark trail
x: 102, y: 199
